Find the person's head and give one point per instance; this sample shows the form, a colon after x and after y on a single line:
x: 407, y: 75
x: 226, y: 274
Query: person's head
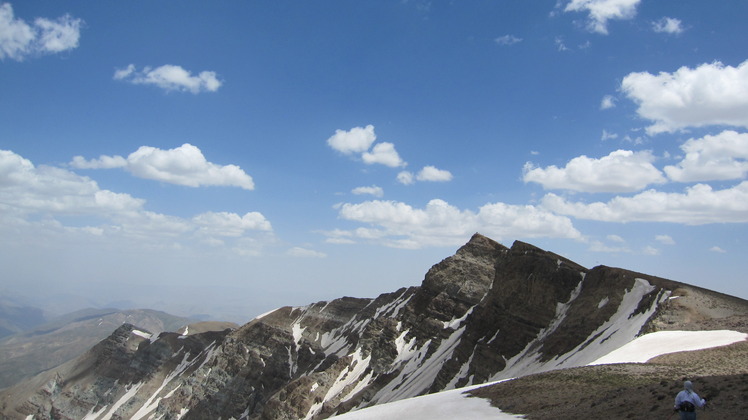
x: 688, y: 386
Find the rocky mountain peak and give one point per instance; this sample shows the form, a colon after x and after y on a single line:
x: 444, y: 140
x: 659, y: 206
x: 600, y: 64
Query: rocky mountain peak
x: 488, y: 312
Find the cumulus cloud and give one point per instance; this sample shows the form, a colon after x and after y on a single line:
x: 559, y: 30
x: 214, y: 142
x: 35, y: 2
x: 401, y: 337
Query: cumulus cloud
x: 359, y: 140
x: 25, y: 188
x: 710, y: 94
x: 184, y: 165
x: 398, y: 224
x: 34, y: 198
x: 372, y: 190
x: 427, y: 174
x: 433, y: 174
x: 383, y: 153
x: 19, y: 39
x: 356, y: 140
x: 620, y: 171
x: 713, y: 157
x: 601, y: 11
x: 717, y: 249
x: 668, y: 25
x: 698, y: 205
x: 170, y: 77
x: 507, y: 40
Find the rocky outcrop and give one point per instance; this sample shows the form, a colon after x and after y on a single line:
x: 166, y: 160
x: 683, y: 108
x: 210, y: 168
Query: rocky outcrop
x: 488, y: 312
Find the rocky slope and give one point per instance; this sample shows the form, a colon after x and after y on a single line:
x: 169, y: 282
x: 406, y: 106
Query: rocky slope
x: 486, y: 313
x: 55, y: 342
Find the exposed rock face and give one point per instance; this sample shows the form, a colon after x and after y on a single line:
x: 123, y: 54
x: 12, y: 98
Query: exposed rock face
x: 486, y: 313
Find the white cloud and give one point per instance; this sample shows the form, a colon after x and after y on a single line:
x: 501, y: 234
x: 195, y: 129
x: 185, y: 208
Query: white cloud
x: 713, y: 157
x: 699, y: 205
x: 170, y: 77
x: 230, y: 224
x: 359, y: 140
x: 668, y: 25
x: 25, y: 189
x: 507, y: 40
x: 103, y: 162
x: 608, y: 102
x: 32, y: 199
x: 710, y: 94
x: 406, y: 178
x: 372, y: 190
x: 184, y: 165
x: 597, y: 246
x: 650, y: 250
x: 397, y: 224
x: 620, y: 171
x: 560, y: 45
x: 601, y: 11
x: 356, y: 140
x: 431, y: 173
x: 608, y: 136
x: 615, y: 238
x: 717, y: 249
x: 383, y: 153
x: 427, y: 173
x: 665, y: 239
x: 305, y: 253
x: 19, y: 40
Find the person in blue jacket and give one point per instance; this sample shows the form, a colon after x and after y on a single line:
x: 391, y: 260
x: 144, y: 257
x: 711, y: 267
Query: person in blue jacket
x: 686, y: 402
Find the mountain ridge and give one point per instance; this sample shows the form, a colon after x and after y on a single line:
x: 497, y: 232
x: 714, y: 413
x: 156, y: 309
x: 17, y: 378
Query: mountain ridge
x: 487, y: 312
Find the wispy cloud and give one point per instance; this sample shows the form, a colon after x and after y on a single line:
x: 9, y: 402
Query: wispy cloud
x: 170, y: 77
x: 665, y: 239
x: 372, y: 190
x: 508, y: 40
x: 668, y: 25
x: 608, y: 102
x: 19, y: 40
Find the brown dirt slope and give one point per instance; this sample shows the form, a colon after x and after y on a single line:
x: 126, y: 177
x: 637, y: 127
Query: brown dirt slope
x: 632, y: 391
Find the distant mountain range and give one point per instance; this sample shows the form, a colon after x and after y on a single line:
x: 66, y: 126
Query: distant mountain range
x: 38, y: 345
x: 486, y: 313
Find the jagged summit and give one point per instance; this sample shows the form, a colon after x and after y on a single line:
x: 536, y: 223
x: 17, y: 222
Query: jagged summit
x: 485, y: 313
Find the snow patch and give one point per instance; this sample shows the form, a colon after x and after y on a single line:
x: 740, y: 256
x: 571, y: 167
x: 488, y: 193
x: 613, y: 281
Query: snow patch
x: 658, y: 343
x: 417, y: 376
x: 447, y: 405
x: 603, y: 302
x: 143, y: 334
x: 455, y: 322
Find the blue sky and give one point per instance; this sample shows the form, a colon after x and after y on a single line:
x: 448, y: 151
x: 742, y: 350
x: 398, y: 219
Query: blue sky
x: 231, y: 157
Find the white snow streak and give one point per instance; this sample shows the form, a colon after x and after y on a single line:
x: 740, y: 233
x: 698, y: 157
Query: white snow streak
x: 143, y: 334
x: 663, y: 342
x: 456, y: 322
